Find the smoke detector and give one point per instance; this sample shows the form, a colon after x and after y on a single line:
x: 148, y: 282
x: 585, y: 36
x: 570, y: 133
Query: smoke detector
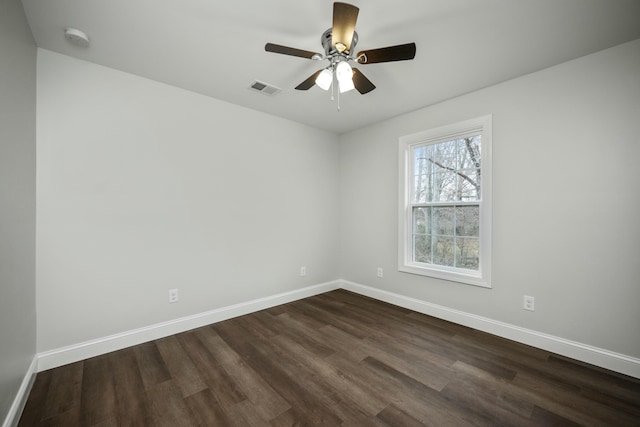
x: 77, y: 37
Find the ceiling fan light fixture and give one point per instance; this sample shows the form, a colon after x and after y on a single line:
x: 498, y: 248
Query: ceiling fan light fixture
x: 339, y: 42
x: 324, y: 79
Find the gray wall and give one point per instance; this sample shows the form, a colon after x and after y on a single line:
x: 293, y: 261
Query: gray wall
x: 565, y: 201
x: 144, y: 187
x: 17, y: 200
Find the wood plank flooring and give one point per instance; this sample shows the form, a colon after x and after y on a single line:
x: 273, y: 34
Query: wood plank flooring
x: 332, y: 359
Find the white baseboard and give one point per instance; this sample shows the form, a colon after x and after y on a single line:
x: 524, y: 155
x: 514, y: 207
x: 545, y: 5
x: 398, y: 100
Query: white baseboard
x: 73, y: 353
x: 13, y: 416
x: 596, y: 356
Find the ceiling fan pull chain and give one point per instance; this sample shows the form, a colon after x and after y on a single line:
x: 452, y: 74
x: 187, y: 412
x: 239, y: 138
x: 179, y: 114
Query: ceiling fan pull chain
x: 333, y: 83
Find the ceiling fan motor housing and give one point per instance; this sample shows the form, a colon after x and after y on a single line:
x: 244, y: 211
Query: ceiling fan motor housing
x: 330, y: 50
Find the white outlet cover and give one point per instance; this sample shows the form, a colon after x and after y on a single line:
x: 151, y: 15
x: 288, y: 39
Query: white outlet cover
x: 529, y: 303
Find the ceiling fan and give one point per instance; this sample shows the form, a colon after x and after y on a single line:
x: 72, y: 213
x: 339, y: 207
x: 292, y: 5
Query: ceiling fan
x: 339, y: 42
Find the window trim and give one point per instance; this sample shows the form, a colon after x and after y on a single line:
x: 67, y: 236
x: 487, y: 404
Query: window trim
x: 405, y: 219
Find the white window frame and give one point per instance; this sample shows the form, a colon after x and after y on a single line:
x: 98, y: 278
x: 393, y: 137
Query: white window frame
x: 482, y: 277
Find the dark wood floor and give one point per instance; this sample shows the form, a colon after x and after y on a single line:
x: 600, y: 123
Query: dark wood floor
x: 332, y: 359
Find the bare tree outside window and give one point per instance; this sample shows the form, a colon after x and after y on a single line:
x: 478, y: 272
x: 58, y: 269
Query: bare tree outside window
x: 446, y: 195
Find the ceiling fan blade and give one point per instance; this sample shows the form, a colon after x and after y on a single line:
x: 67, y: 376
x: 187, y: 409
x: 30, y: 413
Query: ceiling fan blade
x: 285, y: 50
x: 362, y: 84
x: 308, y: 84
x: 401, y: 52
x: 344, y: 24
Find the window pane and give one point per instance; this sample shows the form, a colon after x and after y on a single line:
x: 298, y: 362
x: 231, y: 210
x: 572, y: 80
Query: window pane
x: 435, y: 184
x: 422, y: 248
x: 444, y: 187
x: 467, y: 221
x: 443, y: 251
x: 422, y: 172
x: 420, y: 189
x: 443, y: 220
x: 468, y: 253
x: 468, y: 186
x: 421, y: 220
x: 444, y: 154
x: 469, y: 155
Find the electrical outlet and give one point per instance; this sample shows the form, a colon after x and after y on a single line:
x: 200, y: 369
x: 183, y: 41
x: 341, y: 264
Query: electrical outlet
x: 173, y: 296
x: 303, y: 271
x: 380, y: 272
x: 529, y: 303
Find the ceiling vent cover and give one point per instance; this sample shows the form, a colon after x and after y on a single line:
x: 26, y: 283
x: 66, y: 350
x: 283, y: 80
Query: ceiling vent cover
x: 264, y: 88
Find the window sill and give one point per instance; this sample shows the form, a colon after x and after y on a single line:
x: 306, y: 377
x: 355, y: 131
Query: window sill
x: 452, y: 276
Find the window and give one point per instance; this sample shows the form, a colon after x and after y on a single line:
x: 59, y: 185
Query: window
x: 445, y: 203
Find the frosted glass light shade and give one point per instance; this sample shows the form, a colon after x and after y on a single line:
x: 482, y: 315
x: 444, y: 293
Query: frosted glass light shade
x: 344, y: 75
x: 324, y: 79
x: 346, y: 85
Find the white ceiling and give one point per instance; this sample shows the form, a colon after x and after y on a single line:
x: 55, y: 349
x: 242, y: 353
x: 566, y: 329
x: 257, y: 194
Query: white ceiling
x: 216, y: 47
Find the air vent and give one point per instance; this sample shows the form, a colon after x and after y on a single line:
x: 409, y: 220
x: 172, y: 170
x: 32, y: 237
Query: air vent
x: 264, y: 88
